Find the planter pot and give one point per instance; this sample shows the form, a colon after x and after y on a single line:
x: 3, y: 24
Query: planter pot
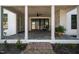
x: 59, y: 34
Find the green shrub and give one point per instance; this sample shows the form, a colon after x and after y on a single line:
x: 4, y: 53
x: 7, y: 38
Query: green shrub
x: 18, y: 44
x: 71, y: 46
x: 5, y: 44
x: 60, y: 29
x: 59, y: 45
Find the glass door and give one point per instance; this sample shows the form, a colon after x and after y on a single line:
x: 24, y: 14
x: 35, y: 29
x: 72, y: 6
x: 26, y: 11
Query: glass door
x: 47, y: 24
x: 33, y: 24
x: 44, y: 24
x: 40, y: 24
x: 37, y: 24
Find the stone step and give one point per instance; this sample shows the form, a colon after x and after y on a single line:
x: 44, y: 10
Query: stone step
x: 39, y: 48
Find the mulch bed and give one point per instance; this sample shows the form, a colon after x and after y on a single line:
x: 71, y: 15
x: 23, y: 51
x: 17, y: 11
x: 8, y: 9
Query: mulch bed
x: 11, y: 49
x: 57, y: 48
x: 66, y: 48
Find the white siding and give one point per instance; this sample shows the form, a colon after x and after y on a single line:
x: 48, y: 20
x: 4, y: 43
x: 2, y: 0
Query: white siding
x: 11, y: 22
x: 70, y: 31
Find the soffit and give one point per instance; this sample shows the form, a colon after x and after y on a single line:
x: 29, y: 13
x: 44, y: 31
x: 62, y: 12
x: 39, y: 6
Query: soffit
x: 68, y: 7
x: 16, y: 9
x: 42, y: 10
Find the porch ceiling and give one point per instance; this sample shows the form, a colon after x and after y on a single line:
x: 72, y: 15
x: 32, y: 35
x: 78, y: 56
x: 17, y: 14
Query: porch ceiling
x: 16, y: 9
x: 42, y: 10
x: 33, y: 10
x: 68, y: 7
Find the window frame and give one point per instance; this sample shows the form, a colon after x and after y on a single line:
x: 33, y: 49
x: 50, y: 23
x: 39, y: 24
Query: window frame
x: 75, y: 15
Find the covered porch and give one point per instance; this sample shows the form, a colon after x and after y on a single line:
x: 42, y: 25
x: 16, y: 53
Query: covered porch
x: 13, y: 26
x: 57, y: 16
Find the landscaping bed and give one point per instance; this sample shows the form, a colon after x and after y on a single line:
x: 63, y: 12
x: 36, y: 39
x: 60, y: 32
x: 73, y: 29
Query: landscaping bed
x: 57, y: 48
x: 66, y: 48
x: 11, y: 48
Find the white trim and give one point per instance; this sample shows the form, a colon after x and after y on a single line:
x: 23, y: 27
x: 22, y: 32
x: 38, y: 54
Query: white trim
x: 38, y: 17
x: 42, y: 40
x: 13, y: 41
x: 64, y: 41
x: 57, y: 41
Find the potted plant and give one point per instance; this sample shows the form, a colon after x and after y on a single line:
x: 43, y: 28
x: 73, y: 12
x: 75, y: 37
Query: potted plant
x: 59, y: 31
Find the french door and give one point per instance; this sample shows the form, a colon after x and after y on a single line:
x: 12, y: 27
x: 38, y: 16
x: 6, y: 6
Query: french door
x: 40, y: 24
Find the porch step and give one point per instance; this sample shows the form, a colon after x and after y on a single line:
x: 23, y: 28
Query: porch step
x: 39, y: 48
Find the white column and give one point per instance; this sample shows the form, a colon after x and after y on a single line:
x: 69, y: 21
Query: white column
x: 26, y: 22
x: 52, y: 23
x: 0, y: 22
x: 77, y: 21
x: 1, y: 31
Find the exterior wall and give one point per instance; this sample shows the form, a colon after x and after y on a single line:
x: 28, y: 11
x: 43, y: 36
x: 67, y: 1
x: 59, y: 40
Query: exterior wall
x: 57, y: 18
x: 70, y: 31
x: 11, y: 22
x: 63, y: 17
x: 20, y: 23
x: 29, y: 24
x: 65, y: 20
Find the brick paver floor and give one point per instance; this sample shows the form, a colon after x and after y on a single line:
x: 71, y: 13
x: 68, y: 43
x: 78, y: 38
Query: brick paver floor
x: 38, y: 48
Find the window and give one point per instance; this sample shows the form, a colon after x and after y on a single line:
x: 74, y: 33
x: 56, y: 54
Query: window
x: 73, y: 21
x: 5, y: 22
